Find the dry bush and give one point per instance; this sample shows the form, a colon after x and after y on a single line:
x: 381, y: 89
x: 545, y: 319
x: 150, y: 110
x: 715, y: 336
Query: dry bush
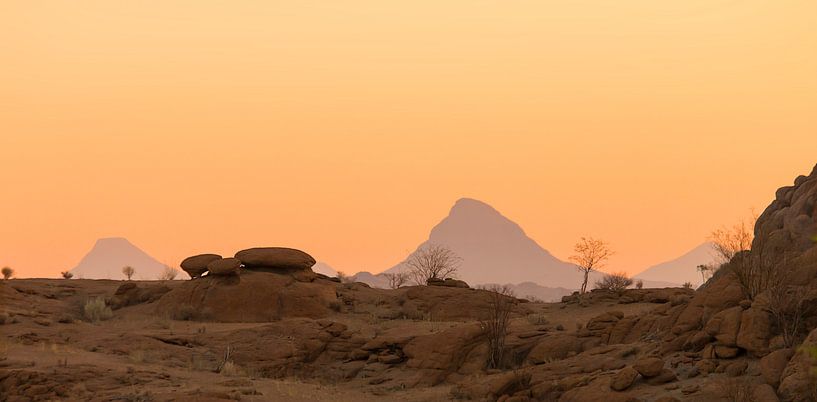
x: 168, y: 274
x: 737, y: 389
x: 66, y: 275
x: 639, y: 284
x: 396, y: 280
x: 432, y: 261
x: 789, y: 306
x: 128, y: 271
x: 616, y: 281
x: 729, y: 241
x: 7, y: 273
x: 96, y: 310
x: 342, y: 277
x: 687, y: 285
x: 591, y: 255
x: 495, y: 325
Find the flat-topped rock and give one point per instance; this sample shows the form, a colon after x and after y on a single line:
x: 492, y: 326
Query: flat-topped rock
x: 275, y: 258
x: 196, y: 265
x: 224, y: 266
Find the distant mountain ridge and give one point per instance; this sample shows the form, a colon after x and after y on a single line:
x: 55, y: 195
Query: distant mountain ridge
x: 682, y: 269
x: 496, y: 250
x: 109, y: 255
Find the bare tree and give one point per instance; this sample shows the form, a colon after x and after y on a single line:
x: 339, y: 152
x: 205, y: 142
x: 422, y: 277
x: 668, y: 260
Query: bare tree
x: 789, y: 305
x: 396, y: 279
x: 706, y: 271
x: 616, y: 281
x: 432, y: 261
x: 128, y: 271
x: 168, y: 274
x: 495, y: 325
x: 7, y: 273
x: 728, y: 241
x: 66, y: 274
x: 591, y: 255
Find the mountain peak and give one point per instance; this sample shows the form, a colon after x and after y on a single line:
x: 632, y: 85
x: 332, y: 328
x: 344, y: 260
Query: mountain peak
x: 110, y: 254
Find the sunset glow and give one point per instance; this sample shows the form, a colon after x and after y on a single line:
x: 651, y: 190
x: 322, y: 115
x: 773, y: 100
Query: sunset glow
x: 349, y: 129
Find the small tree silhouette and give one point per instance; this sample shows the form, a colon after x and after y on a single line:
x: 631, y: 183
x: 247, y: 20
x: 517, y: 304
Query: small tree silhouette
x: 7, y: 272
x: 591, y: 255
x: 66, y: 275
x: 128, y: 271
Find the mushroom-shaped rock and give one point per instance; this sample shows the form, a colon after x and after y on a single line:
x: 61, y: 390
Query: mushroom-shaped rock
x: 224, y: 266
x: 196, y: 265
x: 275, y: 258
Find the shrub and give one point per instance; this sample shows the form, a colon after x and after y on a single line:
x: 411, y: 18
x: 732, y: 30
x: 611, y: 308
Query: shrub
x: 128, y: 271
x: 617, y: 281
x: 66, y: 275
x: 789, y: 306
x: 7, y: 273
x: 168, y: 274
x: 639, y: 284
x: 96, y: 310
x: 495, y: 325
x: 687, y: 285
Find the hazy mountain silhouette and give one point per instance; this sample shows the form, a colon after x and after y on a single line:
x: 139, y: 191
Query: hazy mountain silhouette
x: 109, y: 255
x: 324, y: 268
x: 494, y: 249
x: 682, y: 269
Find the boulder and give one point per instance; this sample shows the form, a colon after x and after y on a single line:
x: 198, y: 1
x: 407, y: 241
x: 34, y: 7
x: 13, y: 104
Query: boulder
x: 796, y: 382
x: 555, y: 347
x: 649, y: 367
x: 452, y: 283
x: 273, y: 258
x: 254, y: 297
x: 724, y: 326
x: 773, y: 364
x: 196, y: 265
x: 129, y: 294
x: 726, y: 352
x: 665, y: 376
x: 623, y: 379
x: 755, y: 331
x: 764, y: 393
x: 736, y: 369
x: 224, y: 266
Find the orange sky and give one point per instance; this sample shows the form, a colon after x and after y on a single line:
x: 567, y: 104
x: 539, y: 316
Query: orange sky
x: 348, y: 129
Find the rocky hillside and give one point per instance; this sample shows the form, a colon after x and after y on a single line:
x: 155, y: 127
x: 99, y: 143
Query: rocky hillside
x: 245, y: 326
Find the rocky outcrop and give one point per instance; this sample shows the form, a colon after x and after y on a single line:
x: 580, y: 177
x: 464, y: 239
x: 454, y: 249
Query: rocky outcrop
x: 224, y: 266
x: 275, y: 258
x: 196, y: 265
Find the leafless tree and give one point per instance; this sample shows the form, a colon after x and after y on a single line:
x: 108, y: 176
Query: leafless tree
x: 590, y: 255
x: 706, y: 271
x: 495, y: 325
x: 432, y: 261
x: 616, y: 281
x: 789, y: 305
x: 728, y: 241
x: 128, y: 271
x: 396, y: 279
x: 66, y: 274
x: 7, y: 273
x: 168, y: 274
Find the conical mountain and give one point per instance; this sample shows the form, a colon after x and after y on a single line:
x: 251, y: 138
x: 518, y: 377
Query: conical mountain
x: 682, y: 269
x: 494, y: 249
x: 109, y: 255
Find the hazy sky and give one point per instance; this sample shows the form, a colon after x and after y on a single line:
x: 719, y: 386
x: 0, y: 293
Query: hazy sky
x: 348, y: 129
